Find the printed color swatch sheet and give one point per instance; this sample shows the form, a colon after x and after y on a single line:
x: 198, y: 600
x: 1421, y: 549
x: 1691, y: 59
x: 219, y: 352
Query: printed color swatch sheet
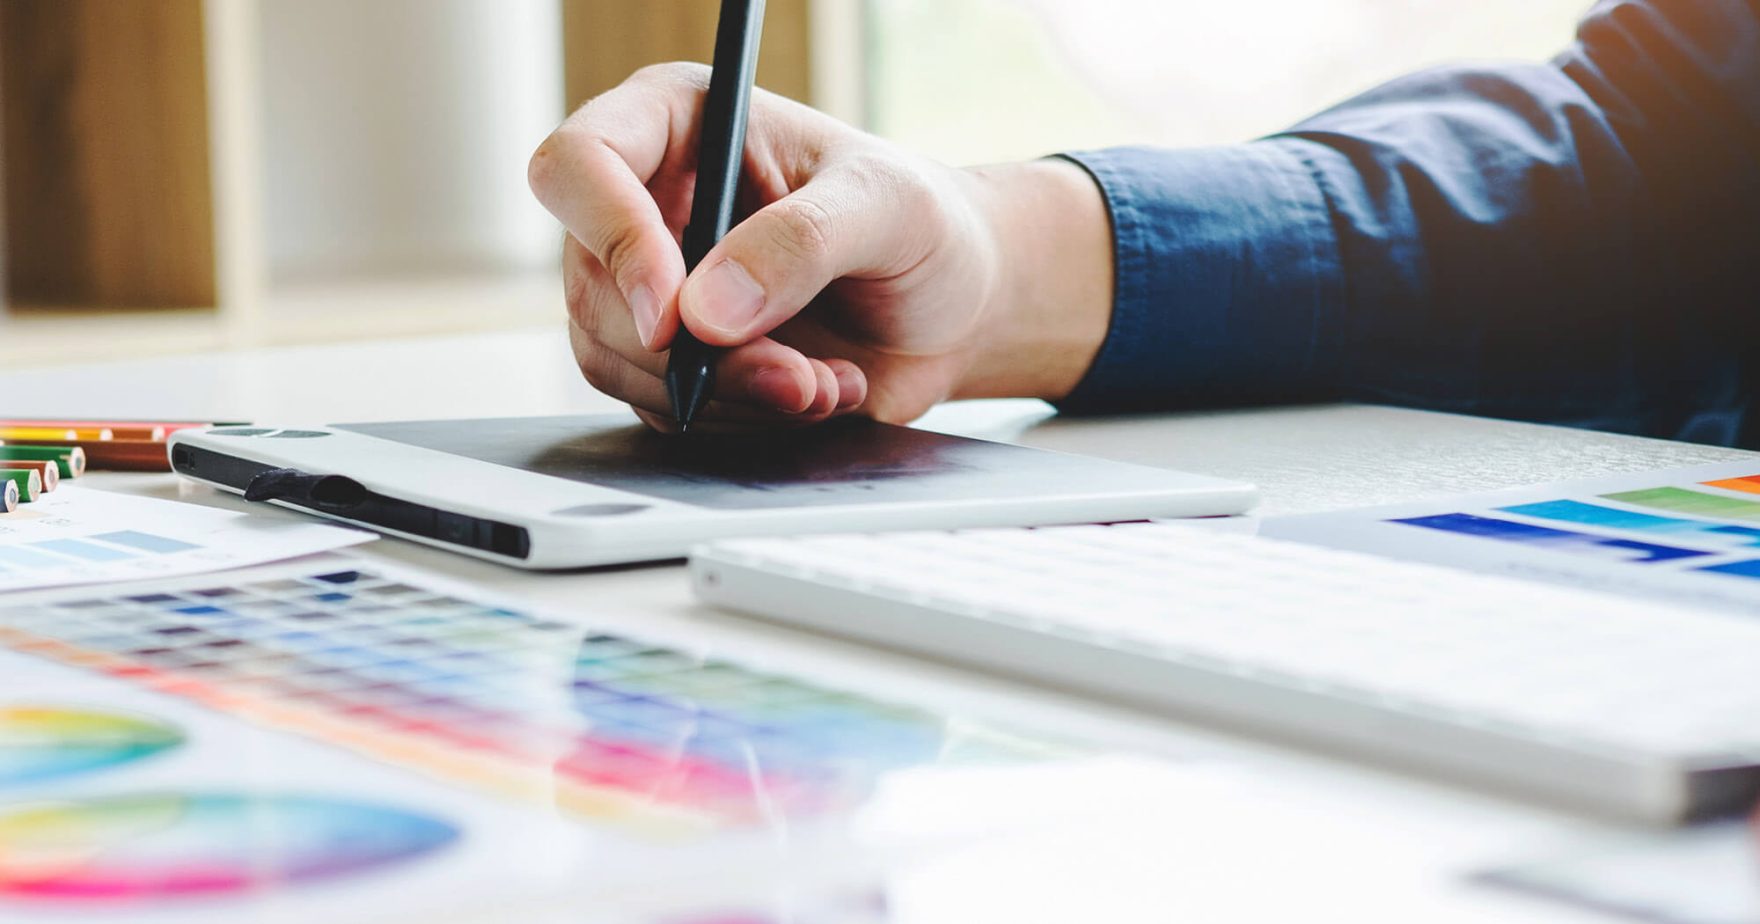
x: 1685, y: 535
x: 81, y: 536
x: 336, y: 740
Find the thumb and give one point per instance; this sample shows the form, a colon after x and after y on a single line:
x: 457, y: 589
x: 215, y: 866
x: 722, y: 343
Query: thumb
x: 774, y: 263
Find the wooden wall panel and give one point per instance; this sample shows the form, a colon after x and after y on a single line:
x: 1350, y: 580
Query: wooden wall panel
x: 607, y: 40
x: 106, y: 156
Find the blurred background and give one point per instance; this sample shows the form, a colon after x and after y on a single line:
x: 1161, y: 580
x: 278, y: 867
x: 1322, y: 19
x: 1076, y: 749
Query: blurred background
x: 190, y: 174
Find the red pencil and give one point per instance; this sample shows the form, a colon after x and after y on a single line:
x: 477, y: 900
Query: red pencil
x: 51, y: 471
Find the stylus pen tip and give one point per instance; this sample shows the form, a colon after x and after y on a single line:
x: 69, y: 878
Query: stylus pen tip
x: 689, y: 389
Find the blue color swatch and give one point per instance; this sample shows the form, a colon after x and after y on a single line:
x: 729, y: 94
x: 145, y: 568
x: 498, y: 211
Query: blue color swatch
x: 1557, y: 540
x: 146, y: 542
x: 1743, y: 569
x: 25, y: 558
x: 79, y: 548
x: 118, y: 545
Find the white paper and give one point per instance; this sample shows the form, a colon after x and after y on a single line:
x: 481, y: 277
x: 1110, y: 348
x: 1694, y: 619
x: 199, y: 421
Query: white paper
x: 1691, y: 546
x: 77, y: 535
x: 1705, y: 875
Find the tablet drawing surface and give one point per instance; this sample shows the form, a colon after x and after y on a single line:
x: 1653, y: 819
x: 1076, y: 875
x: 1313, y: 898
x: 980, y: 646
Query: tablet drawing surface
x: 844, y: 462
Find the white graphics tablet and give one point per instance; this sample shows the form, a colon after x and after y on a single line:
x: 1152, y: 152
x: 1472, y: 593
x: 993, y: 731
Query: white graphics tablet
x: 564, y: 492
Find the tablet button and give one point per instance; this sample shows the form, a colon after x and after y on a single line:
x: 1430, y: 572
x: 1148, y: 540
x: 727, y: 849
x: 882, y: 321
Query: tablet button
x: 239, y: 431
x: 603, y: 510
x: 455, y: 528
x: 298, y: 435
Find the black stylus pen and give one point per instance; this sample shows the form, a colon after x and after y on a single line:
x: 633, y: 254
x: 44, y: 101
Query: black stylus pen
x: 690, y: 371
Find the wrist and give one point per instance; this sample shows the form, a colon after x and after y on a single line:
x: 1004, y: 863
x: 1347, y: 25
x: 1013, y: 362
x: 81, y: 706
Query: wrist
x: 1051, y: 306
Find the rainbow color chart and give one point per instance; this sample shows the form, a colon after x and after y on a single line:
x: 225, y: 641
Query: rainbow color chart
x: 1686, y: 523
x: 41, y: 743
x: 155, y: 846
x: 607, y: 727
x: 1687, y: 535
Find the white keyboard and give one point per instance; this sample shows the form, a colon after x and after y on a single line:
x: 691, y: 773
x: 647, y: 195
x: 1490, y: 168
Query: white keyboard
x: 1621, y: 707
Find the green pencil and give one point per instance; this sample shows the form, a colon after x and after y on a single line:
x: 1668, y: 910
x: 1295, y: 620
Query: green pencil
x: 71, y: 460
x: 30, y: 484
x: 9, y: 497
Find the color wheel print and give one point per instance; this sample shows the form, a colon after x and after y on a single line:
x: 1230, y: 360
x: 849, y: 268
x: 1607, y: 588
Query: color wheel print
x: 166, y: 845
x: 39, y: 743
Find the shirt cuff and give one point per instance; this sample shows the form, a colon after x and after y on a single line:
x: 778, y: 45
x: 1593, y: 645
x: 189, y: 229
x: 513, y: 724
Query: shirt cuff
x: 1227, y: 273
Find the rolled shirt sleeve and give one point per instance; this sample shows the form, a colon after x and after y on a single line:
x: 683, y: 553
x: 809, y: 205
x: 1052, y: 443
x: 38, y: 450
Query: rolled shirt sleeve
x: 1226, y: 266
x: 1573, y: 242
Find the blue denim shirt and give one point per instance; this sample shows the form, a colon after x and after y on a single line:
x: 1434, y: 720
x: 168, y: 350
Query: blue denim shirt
x: 1576, y: 242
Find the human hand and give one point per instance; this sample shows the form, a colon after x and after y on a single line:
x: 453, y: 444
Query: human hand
x: 865, y: 279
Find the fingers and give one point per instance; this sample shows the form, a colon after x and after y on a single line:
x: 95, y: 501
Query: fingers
x: 591, y: 294
x: 848, y: 213
x: 852, y: 383
x: 764, y: 373
x: 602, y: 173
x: 737, y: 420
x: 851, y: 220
x: 592, y: 174
x: 760, y: 382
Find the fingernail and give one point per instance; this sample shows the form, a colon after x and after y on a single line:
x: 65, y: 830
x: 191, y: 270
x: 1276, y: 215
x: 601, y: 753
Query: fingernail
x: 728, y: 298
x: 849, y: 386
x: 645, y: 305
x: 778, y: 388
x: 824, y: 402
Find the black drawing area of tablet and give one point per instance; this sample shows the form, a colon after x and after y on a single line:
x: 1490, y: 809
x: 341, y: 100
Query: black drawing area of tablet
x: 852, y: 461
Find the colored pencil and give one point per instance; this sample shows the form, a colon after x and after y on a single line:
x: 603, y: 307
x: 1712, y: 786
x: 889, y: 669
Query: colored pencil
x: 33, y: 434
x: 127, y: 432
x: 70, y: 460
x: 119, y: 455
x: 30, y: 484
x: 9, y: 498
x: 51, y: 471
x: 118, y: 426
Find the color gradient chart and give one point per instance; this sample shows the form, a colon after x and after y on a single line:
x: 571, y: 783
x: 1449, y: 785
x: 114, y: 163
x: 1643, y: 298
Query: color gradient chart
x: 135, y: 848
x: 1700, y: 545
x: 1685, y: 536
x: 43, y: 743
x: 607, y: 727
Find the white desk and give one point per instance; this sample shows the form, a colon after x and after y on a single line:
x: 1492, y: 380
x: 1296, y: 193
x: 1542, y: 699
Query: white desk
x: 1372, y: 845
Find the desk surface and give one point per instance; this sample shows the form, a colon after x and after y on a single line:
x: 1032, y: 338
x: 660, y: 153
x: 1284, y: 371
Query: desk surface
x: 1375, y: 842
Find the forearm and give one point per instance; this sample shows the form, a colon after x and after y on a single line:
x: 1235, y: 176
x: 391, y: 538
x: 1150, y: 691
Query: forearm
x: 1052, y: 302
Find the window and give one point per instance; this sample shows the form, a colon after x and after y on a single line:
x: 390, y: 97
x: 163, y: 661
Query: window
x: 974, y: 81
